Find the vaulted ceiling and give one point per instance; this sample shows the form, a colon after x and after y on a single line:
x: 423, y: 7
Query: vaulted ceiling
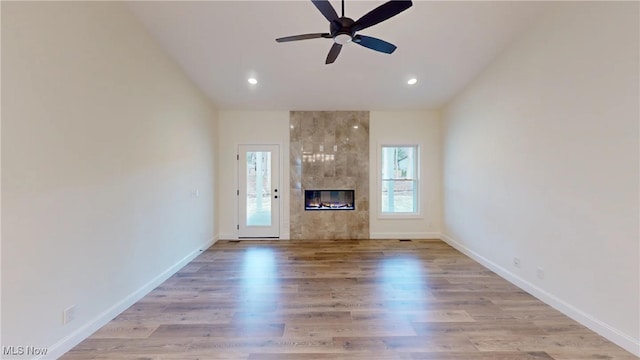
x: 443, y: 44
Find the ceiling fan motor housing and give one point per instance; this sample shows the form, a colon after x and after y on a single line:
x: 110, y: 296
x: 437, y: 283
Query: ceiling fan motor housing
x: 342, y: 30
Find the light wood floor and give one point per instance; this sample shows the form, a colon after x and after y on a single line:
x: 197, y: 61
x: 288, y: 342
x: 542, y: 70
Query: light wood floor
x: 343, y: 299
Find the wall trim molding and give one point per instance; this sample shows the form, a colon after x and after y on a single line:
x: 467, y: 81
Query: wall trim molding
x: 610, y: 333
x: 84, y: 331
x: 405, y: 235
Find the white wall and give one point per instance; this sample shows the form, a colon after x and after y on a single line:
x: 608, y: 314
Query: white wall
x: 103, y: 141
x: 541, y: 163
x: 249, y: 127
x: 420, y: 128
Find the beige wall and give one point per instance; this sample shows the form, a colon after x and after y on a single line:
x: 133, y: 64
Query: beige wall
x: 420, y: 128
x: 249, y: 127
x: 105, y: 144
x: 541, y: 163
x: 272, y: 127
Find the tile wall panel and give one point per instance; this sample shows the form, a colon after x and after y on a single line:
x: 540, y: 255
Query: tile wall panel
x: 329, y: 150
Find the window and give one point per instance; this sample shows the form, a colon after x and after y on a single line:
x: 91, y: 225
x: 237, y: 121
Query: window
x: 399, y: 181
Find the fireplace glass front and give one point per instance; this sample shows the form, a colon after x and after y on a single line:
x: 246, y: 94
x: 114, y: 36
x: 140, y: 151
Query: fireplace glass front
x: 329, y: 200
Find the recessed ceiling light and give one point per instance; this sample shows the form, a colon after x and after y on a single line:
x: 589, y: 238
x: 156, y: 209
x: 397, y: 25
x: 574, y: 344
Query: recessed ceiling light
x: 412, y: 81
x: 355, y: 126
x: 252, y: 81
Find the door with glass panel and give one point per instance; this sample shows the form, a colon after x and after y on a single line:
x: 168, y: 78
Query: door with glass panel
x: 259, y: 191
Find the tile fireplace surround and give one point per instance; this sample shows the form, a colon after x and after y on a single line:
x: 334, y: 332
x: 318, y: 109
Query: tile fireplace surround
x: 329, y: 151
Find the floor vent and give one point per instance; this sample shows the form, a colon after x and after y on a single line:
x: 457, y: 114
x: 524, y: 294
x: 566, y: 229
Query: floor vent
x: 404, y: 240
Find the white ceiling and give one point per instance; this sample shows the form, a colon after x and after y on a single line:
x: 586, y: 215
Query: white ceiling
x: 444, y: 44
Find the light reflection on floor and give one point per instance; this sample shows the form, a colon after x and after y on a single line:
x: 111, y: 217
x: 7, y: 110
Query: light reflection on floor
x: 260, y: 285
x: 402, y: 278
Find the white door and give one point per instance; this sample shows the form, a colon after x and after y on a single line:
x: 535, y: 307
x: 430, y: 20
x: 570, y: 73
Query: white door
x: 259, y: 191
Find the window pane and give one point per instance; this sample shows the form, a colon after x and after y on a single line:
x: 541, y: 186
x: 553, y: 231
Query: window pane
x: 399, y: 190
x: 398, y: 196
x: 398, y: 162
x: 258, y: 188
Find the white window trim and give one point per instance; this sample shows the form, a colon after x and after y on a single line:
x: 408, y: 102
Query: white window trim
x: 418, y: 172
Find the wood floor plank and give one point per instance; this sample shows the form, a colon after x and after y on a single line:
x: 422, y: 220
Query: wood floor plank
x: 358, y: 329
x: 341, y: 299
x: 413, y: 316
x: 340, y: 356
x: 487, y: 355
x: 479, y: 328
x: 557, y: 343
x: 404, y: 344
x: 256, y: 345
x: 575, y: 354
x: 217, y: 330
x: 125, y: 330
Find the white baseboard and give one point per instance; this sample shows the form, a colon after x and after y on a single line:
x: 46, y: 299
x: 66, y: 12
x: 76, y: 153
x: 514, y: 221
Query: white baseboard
x: 612, y: 334
x: 407, y: 235
x: 67, y: 343
x: 223, y: 236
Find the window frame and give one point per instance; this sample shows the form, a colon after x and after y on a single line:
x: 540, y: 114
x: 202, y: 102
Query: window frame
x: 417, y: 214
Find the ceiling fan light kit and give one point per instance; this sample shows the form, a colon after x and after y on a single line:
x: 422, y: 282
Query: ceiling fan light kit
x: 342, y: 39
x: 343, y: 29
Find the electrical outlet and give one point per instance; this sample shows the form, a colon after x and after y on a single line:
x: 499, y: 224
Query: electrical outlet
x: 69, y: 314
x: 540, y: 273
x: 516, y: 262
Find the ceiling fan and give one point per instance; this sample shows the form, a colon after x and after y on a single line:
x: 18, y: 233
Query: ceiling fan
x: 343, y: 29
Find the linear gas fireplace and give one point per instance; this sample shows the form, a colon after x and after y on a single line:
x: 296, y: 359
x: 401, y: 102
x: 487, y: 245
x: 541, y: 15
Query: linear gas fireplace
x: 329, y: 200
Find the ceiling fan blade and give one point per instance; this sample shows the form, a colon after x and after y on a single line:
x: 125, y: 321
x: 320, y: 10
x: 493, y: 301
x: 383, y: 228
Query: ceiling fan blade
x: 382, y: 13
x: 333, y: 53
x: 304, y: 37
x: 326, y: 9
x: 374, y: 44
